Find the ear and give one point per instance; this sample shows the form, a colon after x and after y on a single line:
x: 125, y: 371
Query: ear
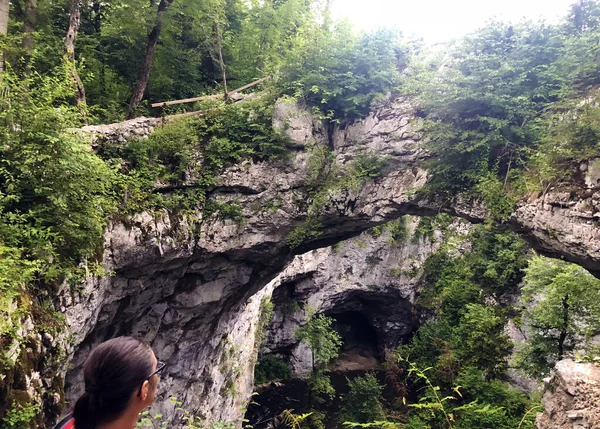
x: 145, y: 391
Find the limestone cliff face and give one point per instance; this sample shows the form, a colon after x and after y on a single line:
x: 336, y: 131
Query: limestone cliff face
x: 369, y: 280
x: 565, y: 222
x: 194, y: 299
x: 197, y: 299
x: 572, y: 400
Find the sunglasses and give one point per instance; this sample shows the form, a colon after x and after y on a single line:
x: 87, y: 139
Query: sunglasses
x: 160, y: 366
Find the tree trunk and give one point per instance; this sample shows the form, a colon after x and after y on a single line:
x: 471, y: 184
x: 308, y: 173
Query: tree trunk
x: 4, y: 7
x: 69, y: 50
x: 327, y: 15
x: 144, y: 75
x: 564, y: 327
x: 29, y: 21
x: 221, y: 62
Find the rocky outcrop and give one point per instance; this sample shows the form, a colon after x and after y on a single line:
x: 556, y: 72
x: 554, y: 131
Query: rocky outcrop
x: 188, y: 291
x: 119, y: 133
x: 368, y: 284
x: 565, y: 222
x: 572, y: 400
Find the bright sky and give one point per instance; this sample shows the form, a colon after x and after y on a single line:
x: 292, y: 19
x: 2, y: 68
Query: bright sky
x: 442, y: 20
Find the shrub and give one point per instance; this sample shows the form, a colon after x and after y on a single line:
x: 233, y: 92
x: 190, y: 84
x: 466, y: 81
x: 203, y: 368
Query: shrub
x: 362, y: 404
x: 340, y: 74
x: 271, y: 368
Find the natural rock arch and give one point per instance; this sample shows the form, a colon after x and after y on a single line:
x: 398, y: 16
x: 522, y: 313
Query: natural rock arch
x: 191, y: 298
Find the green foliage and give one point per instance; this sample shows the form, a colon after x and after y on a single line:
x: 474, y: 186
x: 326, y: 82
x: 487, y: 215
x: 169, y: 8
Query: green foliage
x: 363, y: 167
x: 309, y: 229
x: 55, y: 193
x: 362, y: 404
x: 320, y: 387
x: 20, y: 416
x: 498, y: 259
x: 322, y: 339
x: 341, y: 74
x: 321, y: 163
x: 291, y: 420
x: 266, y: 314
x: 326, y: 178
x: 562, y: 308
x: 15, y: 274
x: 271, y: 368
x: 570, y: 138
x: 225, y: 210
x: 431, y: 400
x: 429, y: 224
x: 399, y: 232
x: 503, y: 110
x: 325, y: 344
x: 316, y: 420
x: 459, y: 359
x: 494, y: 195
x: 481, y: 328
x: 480, y: 110
x: 425, y: 228
x: 183, y: 415
x: 194, y: 151
x: 477, y: 387
x: 475, y: 401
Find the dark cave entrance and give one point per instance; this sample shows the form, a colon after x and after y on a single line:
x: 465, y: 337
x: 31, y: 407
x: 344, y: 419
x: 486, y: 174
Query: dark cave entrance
x: 360, y: 350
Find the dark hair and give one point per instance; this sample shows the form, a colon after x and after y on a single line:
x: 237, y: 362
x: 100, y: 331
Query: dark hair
x: 113, y: 372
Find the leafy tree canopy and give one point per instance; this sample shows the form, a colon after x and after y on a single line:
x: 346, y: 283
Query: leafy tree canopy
x: 561, y: 304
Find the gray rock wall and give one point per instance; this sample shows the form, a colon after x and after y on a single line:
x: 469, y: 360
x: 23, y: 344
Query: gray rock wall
x: 365, y: 276
x: 572, y: 400
x: 191, y: 296
x: 188, y: 295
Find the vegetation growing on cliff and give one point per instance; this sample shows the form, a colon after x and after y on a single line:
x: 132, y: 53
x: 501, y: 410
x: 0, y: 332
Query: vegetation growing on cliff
x: 324, y: 343
x: 562, y: 309
x: 503, y: 107
x: 503, y: 112
x: 465, y: 345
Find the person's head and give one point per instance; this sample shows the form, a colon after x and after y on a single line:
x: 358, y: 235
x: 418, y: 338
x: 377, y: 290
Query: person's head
x: 120, y: 377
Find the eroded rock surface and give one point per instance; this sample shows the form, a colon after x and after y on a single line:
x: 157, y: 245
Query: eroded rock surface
x: 564, y: 223
x: 189, y: 294
x: 572, y: 400
x: 121, y: 132
x: 369, y: 280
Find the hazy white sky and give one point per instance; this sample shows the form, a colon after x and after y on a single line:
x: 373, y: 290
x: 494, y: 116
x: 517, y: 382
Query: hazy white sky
x: 442, y: 20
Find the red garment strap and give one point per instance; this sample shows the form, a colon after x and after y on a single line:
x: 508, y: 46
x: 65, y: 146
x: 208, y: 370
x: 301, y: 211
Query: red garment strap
x: 66, y: 423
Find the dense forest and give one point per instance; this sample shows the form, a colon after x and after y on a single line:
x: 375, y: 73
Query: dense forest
x: 508, y: 111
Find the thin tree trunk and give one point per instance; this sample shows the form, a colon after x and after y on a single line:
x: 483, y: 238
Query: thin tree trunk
x: 565, y: 326
x: 29, y: 22
x: 4, y: 7
x: 144, y: 75
x: 221, y: 62
x: 69, y: 50
x: 327, y: 15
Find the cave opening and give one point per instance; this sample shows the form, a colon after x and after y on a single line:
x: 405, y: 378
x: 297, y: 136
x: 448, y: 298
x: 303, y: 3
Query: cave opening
x: 360, y: 348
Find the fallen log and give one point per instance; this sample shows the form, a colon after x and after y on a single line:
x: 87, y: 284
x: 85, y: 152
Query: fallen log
x: 210, y: 97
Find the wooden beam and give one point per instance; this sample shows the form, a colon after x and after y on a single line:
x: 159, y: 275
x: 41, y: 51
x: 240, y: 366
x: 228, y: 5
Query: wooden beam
x: 210, y: 97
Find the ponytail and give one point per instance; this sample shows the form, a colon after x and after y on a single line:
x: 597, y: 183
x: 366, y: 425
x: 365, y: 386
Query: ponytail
x: 85, y: 411
x: 113, y: 372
